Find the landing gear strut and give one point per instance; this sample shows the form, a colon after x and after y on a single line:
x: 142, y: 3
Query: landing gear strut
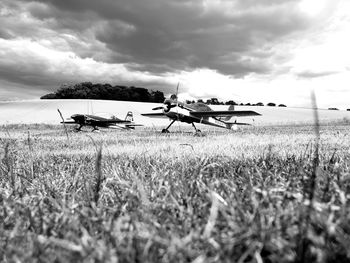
x: 78, y: 129
x: 198, y: 131
x: 95, y: 129
x: 166, y: 130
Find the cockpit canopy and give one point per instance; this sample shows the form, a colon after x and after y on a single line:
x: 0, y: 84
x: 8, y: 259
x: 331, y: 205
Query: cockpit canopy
x: 106, y: 115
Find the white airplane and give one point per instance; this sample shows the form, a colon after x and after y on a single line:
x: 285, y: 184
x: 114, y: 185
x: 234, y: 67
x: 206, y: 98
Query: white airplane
x: 197, y: 113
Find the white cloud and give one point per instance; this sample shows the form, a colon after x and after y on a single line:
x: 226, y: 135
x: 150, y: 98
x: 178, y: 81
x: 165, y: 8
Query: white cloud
x: 276, y: 50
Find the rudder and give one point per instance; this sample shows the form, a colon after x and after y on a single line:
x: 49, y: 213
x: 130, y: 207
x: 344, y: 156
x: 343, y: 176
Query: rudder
x: 129, y: 116
x: 230, y: 108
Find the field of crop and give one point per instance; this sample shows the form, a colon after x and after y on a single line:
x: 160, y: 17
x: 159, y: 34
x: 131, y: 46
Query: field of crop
x: 261, y: 194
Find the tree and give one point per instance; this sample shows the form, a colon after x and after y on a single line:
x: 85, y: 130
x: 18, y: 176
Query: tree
x: 230, y: 102
x: 282, y: 105
x: 214, y: 101
x: 260, y: 104
x: 271, y: 104
x: 87, y: 90
x: 157, y: 96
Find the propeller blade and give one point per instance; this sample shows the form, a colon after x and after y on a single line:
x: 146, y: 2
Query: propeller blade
x: 158, y: 108
x: 177, y: 89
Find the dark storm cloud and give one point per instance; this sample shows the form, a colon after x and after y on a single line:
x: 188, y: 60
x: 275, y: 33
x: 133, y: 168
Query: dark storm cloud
x: 30, y: 69
x: 162, y: 36
x: 153, y: 40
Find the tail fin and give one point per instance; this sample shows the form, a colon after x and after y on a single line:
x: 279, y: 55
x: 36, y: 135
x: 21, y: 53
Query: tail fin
x: 231, y: 108
x: 129, y: 116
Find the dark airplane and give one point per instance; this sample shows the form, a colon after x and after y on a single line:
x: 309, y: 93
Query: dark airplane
x: 198, y: 113
x: 99, y: 121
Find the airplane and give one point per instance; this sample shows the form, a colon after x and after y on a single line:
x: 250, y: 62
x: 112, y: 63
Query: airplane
x: 197, y: 113
x: 99, y: 121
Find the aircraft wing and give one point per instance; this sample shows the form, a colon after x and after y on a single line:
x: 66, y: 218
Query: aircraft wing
x: 133, y: 125
x: 115, y: 121
x: 105, y: 122
x: 155, y: 115
x: 229, y: 113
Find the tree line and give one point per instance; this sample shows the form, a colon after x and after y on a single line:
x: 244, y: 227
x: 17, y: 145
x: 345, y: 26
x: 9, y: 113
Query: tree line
x: 87, y: 90
x: 215, y: 101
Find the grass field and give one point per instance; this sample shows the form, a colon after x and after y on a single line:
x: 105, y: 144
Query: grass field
x: 261, y: 194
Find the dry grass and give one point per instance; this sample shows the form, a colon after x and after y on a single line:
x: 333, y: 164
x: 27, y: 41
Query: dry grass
x: 142, y: 196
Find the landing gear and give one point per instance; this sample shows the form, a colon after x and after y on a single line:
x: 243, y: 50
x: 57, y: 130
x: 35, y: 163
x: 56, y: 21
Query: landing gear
x: 166, y: 130
x: 78, y: 129
x: 95, y: 129
x: 197, y: 130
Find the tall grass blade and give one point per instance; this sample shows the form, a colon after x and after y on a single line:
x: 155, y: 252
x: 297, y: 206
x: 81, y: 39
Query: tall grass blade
x: 310, y: 188
x: 64, y: 125
x: 99, y: 175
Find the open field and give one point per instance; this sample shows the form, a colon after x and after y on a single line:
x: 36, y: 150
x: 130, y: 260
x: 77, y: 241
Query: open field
x: 143, y: 196
x: 45, y: 111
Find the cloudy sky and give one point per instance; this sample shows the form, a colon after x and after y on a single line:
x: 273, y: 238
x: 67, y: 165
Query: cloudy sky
x: 244, y: 50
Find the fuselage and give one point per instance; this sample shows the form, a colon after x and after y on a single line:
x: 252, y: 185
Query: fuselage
x: 93, y: 120
x: 182, y: 113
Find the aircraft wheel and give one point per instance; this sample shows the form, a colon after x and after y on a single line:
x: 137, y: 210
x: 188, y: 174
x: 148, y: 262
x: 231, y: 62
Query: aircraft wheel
x: 165, y: 131
x: 198, y: 133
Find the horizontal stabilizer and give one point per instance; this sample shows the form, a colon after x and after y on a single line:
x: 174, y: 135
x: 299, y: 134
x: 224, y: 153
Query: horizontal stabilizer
x: 229, y: 125
x: 237, y: 123
x: 155, y: 115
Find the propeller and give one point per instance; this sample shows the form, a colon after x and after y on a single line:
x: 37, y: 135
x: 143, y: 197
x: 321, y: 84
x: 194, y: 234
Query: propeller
x: 167, y: 106
x: 158, y: 108
x: 168, y: 103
